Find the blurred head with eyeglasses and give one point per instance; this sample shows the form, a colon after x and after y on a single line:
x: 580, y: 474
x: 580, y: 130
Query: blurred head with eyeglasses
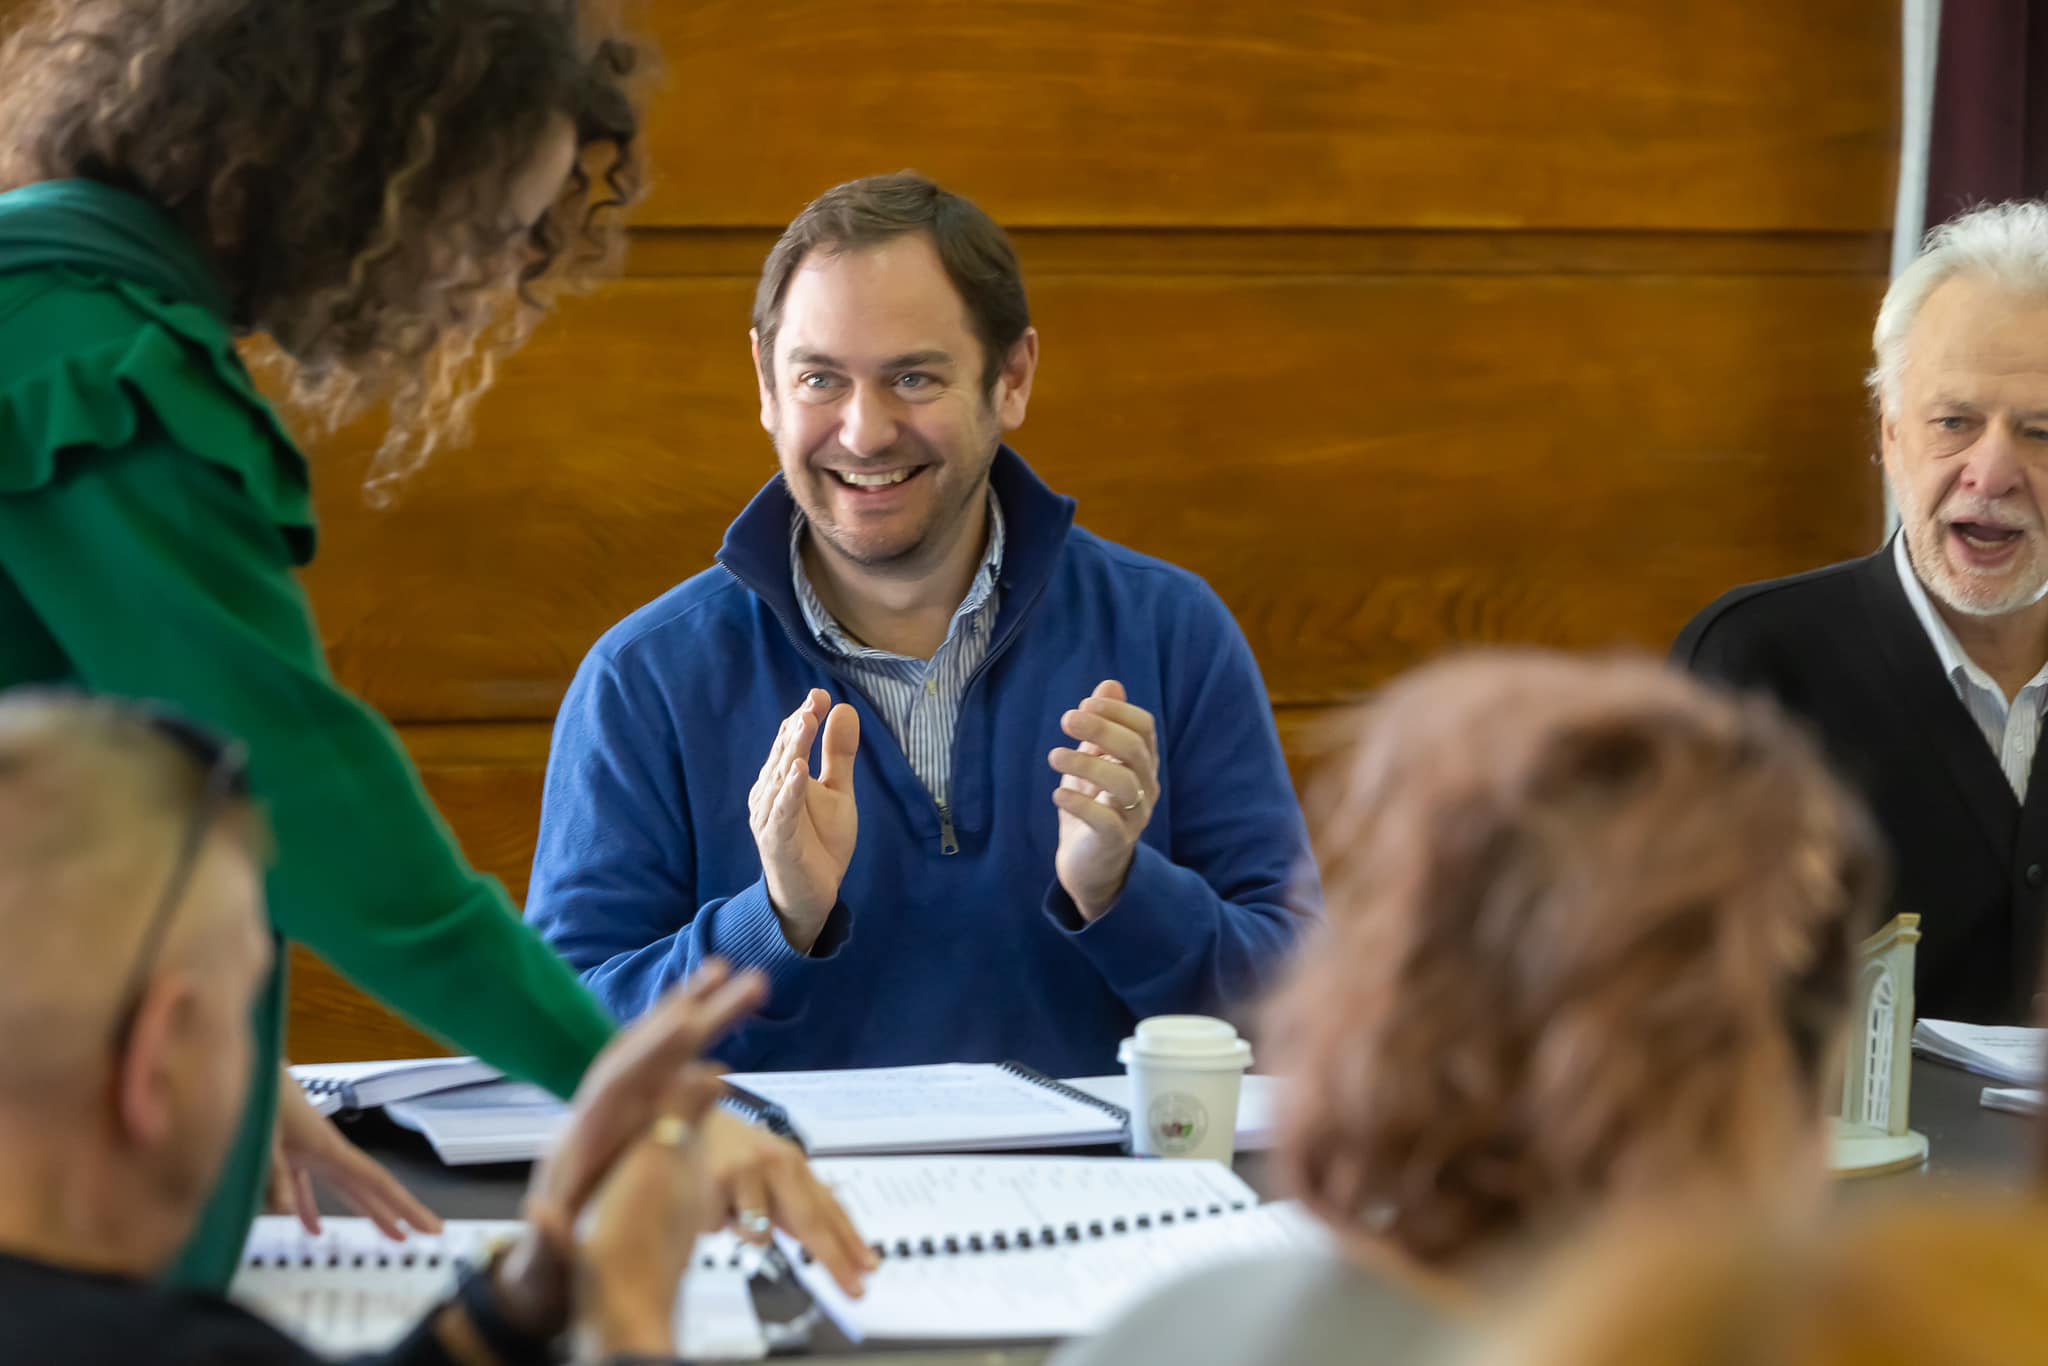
x: 133, y: 944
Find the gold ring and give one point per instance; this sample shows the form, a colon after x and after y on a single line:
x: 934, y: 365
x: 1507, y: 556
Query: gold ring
x: 670, y: 1131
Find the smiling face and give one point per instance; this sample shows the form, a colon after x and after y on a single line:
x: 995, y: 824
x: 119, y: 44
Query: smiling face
x: 1966, y: 446
x: 876, y: 404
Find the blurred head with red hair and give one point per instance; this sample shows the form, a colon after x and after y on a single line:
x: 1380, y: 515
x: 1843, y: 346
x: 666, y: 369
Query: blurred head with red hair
x: 1591, y: 933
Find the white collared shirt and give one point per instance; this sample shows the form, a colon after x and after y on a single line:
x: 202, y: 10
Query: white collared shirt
x: 919, y: 699
x: 2012, y: 730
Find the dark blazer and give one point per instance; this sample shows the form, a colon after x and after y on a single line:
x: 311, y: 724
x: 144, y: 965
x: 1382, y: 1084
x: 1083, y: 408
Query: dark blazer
x: 1842, y: 648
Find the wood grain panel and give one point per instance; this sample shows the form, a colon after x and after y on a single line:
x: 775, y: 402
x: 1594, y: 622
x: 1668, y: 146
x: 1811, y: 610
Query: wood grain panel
x: 659, y: 253
x: 1368, y: 469
x: 1456, y: 113
x: 1408, y: 326
x: 1336, y: 114
x: 330, y: 1021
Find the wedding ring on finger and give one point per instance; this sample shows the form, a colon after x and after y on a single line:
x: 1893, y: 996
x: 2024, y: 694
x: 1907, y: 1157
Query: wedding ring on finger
x: 753, y: 1223
x: 670, y: 1131
x: 1136, y: 802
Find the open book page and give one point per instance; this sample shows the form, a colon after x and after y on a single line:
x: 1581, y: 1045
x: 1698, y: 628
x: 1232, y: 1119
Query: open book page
x: 935, y: 1108
x: 1040, y: 1293
x: 2009, y: 1053
x: 350, y: 1289
x: 1021, y: 1200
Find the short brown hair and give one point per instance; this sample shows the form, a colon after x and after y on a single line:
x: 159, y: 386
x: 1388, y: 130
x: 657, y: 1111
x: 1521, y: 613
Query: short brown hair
x: 323, y: 154
x: 1591, y: 930
x: 977, y: 254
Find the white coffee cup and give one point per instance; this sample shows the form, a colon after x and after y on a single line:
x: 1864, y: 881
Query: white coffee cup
x: 1186, y: 1071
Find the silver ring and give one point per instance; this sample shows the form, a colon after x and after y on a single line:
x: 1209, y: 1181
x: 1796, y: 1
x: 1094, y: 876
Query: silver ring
x: 753, y: 1221
x: 1136, y: 803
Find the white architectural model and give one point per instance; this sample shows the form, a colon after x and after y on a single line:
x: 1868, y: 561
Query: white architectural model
x: 1871, y: 1136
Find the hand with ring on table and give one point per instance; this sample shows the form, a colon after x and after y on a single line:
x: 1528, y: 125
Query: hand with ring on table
x: 643, y: 1156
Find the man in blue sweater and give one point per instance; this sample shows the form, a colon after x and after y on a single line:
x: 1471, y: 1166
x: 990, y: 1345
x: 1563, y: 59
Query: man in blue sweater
x: 1049, y: 797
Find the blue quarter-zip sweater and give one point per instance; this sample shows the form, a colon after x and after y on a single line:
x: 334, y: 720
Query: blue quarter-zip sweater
x: 952, y: 945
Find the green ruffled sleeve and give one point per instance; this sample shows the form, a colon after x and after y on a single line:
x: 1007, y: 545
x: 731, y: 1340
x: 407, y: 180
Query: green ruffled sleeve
x: 151, y: 515
x: 145, y: 367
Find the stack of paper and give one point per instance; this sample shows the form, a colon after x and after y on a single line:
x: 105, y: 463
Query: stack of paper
x: 2006, y: 1053
x: 936, y: 1108
x: 2013, y: 1100
x: 334, y: 1086
x: 500, y: 1121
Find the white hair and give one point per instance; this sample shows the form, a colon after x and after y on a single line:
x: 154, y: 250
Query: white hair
x: 2008, y: 242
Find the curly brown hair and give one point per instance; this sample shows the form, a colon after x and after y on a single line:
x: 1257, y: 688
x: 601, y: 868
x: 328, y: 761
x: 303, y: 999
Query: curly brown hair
x: 345, y: 165
x: 1591, y: 931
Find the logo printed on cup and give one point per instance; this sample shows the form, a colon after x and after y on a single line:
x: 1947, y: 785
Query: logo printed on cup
x: 1185, y: 1072
x: 1179, y: 1123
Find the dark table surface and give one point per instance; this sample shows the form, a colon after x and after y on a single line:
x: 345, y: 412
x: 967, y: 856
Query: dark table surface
x: 1969, y: 1148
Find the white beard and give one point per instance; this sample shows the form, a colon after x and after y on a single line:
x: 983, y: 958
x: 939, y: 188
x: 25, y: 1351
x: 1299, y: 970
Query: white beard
x: 2025, y: 585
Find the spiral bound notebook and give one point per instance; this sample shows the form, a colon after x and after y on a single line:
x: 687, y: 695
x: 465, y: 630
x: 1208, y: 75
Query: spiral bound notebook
x: 939, y: 1107
x: 339, y: 1086
x: 1001, y: 1249
x: 350, y: 1289
x: 500, y: 1121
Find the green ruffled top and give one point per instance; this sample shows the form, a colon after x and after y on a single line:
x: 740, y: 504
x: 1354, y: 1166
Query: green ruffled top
x: 153, y: 512
x: 175, y: 362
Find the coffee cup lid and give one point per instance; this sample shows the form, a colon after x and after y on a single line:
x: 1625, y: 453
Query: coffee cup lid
x: 1186, y: 1041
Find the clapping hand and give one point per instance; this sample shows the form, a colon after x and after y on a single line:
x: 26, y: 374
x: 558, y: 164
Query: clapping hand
x: 803, y: 826
x: 1109, y: 786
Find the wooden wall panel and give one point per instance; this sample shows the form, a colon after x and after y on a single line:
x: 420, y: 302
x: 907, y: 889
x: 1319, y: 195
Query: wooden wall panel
x: 665, y: 253
x: 1409, y: 325
x: 1340, y: 113
x: 1368, y: 468
x: 333, y: 1022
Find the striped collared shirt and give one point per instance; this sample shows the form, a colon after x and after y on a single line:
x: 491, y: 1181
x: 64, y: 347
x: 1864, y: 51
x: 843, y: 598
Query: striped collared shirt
x: 918, y: 699
x: 2013, y: 731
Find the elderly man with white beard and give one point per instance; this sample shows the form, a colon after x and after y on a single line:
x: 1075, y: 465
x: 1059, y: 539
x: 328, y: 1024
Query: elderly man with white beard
x: 1925, y: 665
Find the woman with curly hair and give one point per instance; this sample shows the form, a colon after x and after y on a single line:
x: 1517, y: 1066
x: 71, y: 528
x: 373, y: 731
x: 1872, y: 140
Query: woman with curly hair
x: 1590, y: 936
x: 390, y: 192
